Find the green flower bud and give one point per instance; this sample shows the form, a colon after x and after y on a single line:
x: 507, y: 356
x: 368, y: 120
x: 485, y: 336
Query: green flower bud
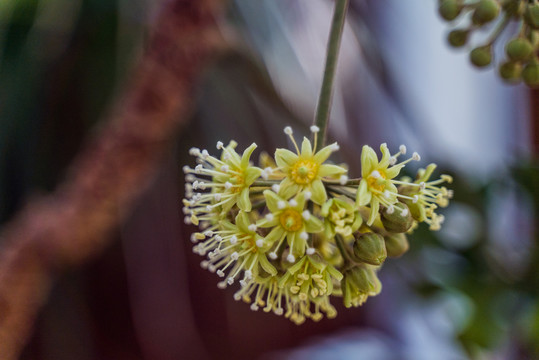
x: 510, y: 71
x: 481, y: 56
x: 531, y: 15
x: 530, y: 74
x: 397, y: 219
x: 519, y: 49
x: 533, y: 36
x: 449, y: 9
x: 370, y: 248
x: 358, y: 284
x: 396, y: 245
x: 458, y: 38
x: 486, y: 11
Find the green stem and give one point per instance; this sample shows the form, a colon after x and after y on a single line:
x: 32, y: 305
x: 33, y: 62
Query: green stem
x: 323, y: 108
x: 342, y: 249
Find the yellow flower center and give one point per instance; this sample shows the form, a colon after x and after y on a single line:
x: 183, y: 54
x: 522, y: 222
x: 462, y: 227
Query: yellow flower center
x: 291, y: 220
x: 304, y: 171
x: 236, y: 180
x: 377, y: 180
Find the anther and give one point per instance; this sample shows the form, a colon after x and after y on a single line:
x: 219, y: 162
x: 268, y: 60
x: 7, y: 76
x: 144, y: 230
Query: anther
x: 343, y: 179
x: 273, y: 255
x: 281, y: 204
x: 233, y: 240
x: 293, y: 202
x: 275, y: 188
x: 303, y: 235
x: 390, y: 210
x: 315, y: 129
x: 310, y: 251
x: 416, y: 157
x: 306, y: 215
x: 402, y: 149
x: 260, y: 243
x: 288, y: 130
x: 290, y: 258
x: 235, y: 256
x: 252, y: 227
x: 228, y: 185
x: 219, y: 145
x: 307, y: 195
x: 269, y: 217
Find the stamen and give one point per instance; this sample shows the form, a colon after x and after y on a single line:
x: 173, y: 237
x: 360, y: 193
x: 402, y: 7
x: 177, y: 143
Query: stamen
x: 315, y: 129
x: 310, y: 251
x: 273, y: 255
x: 416, y: 157
x: 288, y: 130
x: 291, y: 258
x: 219, y: 145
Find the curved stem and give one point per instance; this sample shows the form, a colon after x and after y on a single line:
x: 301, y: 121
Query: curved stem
x: 323, y: 107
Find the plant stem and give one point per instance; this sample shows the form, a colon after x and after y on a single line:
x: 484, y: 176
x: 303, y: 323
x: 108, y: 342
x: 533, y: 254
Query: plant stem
x: 323, y: 108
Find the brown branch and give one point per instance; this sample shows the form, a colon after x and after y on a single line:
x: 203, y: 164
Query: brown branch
x: 115, y: 166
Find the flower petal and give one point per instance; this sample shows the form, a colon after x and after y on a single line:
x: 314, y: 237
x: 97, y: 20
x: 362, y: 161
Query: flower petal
x: 375, y: 206
x: 369, y: 160
x: 272, y: 200
x: 276, y: 234
x: 251, y: 174
x: 285, y: 158
x: 306, y: 148
x: 266, y: 265
x: 384, y: 162
x: 244, y: 203
x: 242, y: 222
x: 393, y: 171
x: 324, y: 154
x: 313, y: 225
x: 363, y: 196
x: 319, y: 195
x: 247, y: 155
x: 330, y: 170
x: 288, y: 188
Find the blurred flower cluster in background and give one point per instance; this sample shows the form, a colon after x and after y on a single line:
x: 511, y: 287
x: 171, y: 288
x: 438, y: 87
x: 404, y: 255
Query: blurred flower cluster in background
x: 470, y: 290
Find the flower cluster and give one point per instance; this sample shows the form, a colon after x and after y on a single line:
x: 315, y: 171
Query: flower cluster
x: 296, y: 231
x: 522, y: 60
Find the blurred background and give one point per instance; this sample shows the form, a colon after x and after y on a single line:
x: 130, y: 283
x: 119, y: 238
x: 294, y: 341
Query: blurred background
x: 468, y: 291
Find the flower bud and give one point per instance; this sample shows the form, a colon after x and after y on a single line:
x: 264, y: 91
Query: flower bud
x: 398, y: 221
x: 458, y: 38
x: 530, y: 74
x: 370, y: 248
x: 396, y: 244
x: 358, y: 284
x: 481, y: 56
x: 531, y: 15
x: 449, y: 9
x: 486, y: 11
x: 519, y: 49
x: 510, y: 71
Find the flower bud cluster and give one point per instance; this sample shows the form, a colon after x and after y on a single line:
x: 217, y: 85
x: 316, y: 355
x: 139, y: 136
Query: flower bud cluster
x: 296, y: 231
x: 521, y: 50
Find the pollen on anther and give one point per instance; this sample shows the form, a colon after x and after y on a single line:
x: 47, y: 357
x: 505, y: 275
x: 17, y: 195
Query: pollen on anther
x: 273, y: 255
x: 402, y: 149
x: 288, y: 130
x: 252, y: 227
x: 260, y: 243
x: 335, y: 147
x: 228, y: 185
x: 315, y: 129
x: 275, y: 188
x: 310, y: 251
x: 390, y: 209
x: 225, y: 168
x: 291, y: 258
x: 307, y: 195
x: 233, y: 239
x: 219, y: 145
x: 415, y: 199
x: 416, y: 157
x: 293, y: 202
x: 303, y: 235
x: 375, y: 174
x: 269, y: 217
x: 343, y: 179
x: 235, y: 256
x: 392, y: 160
x: 281, y: 204
x: 306, y: 215
x: 404, y: 212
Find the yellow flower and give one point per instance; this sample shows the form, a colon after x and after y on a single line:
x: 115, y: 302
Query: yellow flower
x: 306, y: 169
x: 290, y: 220
x: 377, y: 185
